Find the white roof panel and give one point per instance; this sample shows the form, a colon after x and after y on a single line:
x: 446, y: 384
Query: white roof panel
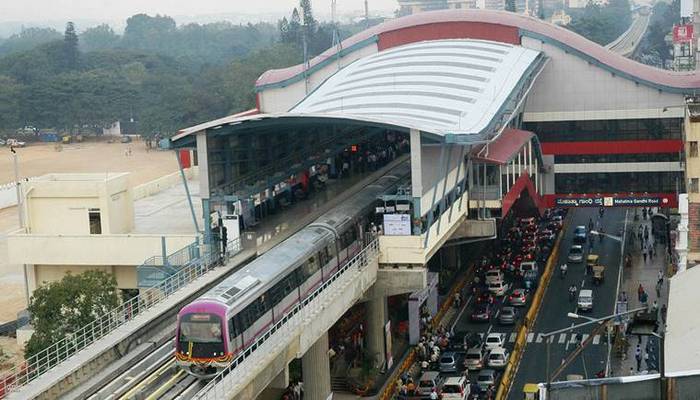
x: 443, y: 86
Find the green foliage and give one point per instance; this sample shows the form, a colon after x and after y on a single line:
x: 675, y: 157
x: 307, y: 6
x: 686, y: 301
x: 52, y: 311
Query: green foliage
x: 70, y: 47
x: 654, y: 50
x: 100, y: 37
x: 602, y: 24
x: 59, y: 309
x: 28, y: 39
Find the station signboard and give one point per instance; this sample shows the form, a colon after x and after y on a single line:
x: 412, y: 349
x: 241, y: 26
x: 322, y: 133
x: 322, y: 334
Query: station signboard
x: 397, y: 224
x: 609, y: 201
x: 683, y: 33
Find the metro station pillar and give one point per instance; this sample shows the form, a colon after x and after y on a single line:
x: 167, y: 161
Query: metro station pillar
x: 316, y: 370
x: 376, y: 322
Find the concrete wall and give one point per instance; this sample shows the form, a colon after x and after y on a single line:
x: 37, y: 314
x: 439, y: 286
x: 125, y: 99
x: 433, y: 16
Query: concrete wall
x: 435, y: 167
x: 163, y: 183
x: 555, y: 96
x: 126, y: 275
x: 282, y: 99
x: 89, y: 250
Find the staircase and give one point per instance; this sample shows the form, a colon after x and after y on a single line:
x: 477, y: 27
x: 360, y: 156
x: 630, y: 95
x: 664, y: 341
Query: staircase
x: 339, y: 384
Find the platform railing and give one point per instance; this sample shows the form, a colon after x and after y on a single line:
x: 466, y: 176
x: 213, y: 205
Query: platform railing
x: 226, y: 382
x: 38, y: 364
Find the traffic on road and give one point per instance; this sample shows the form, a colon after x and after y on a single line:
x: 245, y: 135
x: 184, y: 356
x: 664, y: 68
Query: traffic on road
x: 466, y: 360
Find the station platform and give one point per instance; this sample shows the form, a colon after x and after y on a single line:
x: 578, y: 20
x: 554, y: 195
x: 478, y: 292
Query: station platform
x: 269, y: 232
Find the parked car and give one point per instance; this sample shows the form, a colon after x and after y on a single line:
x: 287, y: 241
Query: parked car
x: 486, y: 378
x: 575, y: 254
x: 482, y: 313
x: 455, y: 388
x: 494, y: 275
x: 449, y: 362
x: 580, y: 234
x: 494, y: 340
x: 498, y: 288
x: 475, y: 358
x: 517, y: 298
x: 498, y: 358
x: 585, y: 300
x: 428, y: 381
x: 507, y: 316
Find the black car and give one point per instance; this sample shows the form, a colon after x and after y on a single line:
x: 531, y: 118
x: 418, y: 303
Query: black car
x: 482, y: 313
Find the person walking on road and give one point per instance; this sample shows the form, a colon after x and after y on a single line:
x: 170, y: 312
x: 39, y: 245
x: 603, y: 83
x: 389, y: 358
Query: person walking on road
x: 638, y: 357
x: 644, y: 254
x: 640, y: 290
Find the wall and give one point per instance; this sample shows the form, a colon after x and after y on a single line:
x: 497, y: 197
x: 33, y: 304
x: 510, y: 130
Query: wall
x: 163, y: 183
x: 65, y: 216
x: 434, y: 172
x: 67, y: 249
x: 126, y: 275
x: 556, y: 96
x: 281, y: 99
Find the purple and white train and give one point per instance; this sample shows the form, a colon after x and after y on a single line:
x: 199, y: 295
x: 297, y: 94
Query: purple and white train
x: 214, y: 328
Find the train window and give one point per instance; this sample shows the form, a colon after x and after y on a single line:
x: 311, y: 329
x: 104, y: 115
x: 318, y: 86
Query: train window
x: 231, y: 330
x: 310, y: 267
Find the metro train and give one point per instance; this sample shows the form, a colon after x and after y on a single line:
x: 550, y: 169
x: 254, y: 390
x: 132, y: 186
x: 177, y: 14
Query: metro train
x: 214, y: 328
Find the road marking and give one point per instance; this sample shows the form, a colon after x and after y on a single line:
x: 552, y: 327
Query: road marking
x: 513, y: 336
x: 530, y: 336
x: 539, y: 338
x: 562, y: 338
x: 596, y: 339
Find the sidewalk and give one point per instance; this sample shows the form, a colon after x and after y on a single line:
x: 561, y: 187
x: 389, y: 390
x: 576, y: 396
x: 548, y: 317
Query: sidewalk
x: 645, y: 273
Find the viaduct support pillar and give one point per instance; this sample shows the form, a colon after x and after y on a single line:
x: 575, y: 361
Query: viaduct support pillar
x: 316, y: 370
x: 376, y: 320
x: 281, y: 381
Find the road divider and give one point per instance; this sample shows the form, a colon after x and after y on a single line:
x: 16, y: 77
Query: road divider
x: 530, y: 317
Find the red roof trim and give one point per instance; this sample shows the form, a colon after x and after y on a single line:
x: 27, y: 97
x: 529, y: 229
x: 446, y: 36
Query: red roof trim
x: 679, y: 80
x: 503, y: 148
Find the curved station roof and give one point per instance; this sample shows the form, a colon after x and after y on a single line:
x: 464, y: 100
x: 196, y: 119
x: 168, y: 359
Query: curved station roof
x: 441, y: 87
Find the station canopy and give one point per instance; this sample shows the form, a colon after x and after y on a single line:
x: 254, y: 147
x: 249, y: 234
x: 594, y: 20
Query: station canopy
x: 456, y: 91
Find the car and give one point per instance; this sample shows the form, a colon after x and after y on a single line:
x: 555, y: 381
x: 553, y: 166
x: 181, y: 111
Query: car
x: 484, y: 298
x: 449, y: 362
x: 517, y: 298
x: 494, y: 340
x: 455, y: 388
x: 585, y: 300
x: 486, y: 378
x: 527, y: 266
x: 498, y: 288
x: 494, y: 275
x: 580, y: 234
x: 498, y: 358
x: 530, y: 279
x: 428, y: 381
x: 507, y: 316
x: 482, y: 313
x: 474, y: 359
x: 575, y: 254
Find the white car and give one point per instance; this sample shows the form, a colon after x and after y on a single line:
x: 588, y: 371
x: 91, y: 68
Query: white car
x: 494, y: 275
x: 585, y: 300
x: 498, y: 288
x: 494, y: 340
x: 498, y: 358
x: 455, y: 388
x: 575, y: 254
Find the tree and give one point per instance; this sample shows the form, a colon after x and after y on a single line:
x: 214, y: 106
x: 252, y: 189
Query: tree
x: 98, y: 38
x: 295, y: 28
x: 283, y: 27
x: 10, y: 94
x: 308, y: 16
x: 510, y: 5
x: 70, y: 47
x: 28, y: 39
x: 59, y: 309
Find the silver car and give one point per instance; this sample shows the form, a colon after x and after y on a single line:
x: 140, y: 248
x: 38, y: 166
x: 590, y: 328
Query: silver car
x: 486, y: 378
x: 474, y: 359
x: 507, y: 316
x: 449, y: 362
x: 575, y: 254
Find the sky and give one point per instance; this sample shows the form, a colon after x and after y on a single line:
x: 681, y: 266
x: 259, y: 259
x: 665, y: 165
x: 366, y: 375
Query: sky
x: 109, y: 10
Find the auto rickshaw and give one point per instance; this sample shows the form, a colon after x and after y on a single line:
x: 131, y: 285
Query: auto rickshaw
x: 591, y: 260
x: 598, y: 274
x: 531, y: 391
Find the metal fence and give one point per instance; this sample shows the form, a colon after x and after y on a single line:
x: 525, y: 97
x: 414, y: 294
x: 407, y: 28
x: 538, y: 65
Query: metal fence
x: 225, y: 383
x: 40, y: 363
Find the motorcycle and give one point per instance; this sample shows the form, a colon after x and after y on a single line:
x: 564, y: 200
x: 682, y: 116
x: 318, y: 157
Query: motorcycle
x: 562, y: 271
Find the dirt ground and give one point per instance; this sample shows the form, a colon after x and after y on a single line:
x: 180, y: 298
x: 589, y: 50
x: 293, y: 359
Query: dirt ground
x: 43, y: 158
x: 40, y: 159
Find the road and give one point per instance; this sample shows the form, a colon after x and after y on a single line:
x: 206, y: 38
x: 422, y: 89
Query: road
x: 556, y: 305
x: 627, y: 43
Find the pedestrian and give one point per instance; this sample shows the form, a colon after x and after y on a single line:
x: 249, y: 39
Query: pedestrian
x: 647, y: 362
x: 663, y: 313
x: 651, y: 252
x: 644, y: 254
x: 640, y: 290
x: 631, y: 371
x: 655, y: 307
x: 644, y: 299
x: 638, y: 357
x: 660, y: 276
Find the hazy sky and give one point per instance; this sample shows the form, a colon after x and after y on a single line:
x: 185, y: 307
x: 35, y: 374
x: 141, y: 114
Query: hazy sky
x: 33, y: 10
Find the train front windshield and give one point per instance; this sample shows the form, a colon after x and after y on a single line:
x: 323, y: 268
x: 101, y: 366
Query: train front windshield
x: 202, y: 335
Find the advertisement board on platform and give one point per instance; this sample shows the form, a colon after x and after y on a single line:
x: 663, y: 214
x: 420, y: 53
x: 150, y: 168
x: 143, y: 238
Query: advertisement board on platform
x: 609, y: 201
